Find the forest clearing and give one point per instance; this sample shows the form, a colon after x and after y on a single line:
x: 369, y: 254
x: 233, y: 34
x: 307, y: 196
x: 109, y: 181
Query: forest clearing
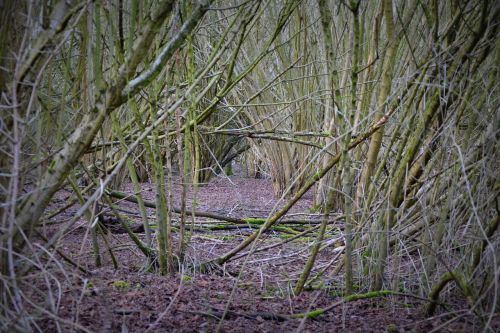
x: 249, y: 166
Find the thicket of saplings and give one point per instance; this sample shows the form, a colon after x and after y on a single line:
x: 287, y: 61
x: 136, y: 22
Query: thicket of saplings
x: 386, y: 110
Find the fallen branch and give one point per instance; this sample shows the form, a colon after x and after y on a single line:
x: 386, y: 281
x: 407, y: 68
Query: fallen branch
x: 219, y: 217
x: 277, y: 228
x: 218, y: 313
x: 280, y: 243
x: 352, y: 298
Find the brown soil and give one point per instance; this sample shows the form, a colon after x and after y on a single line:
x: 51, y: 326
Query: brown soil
x: 129, y: 300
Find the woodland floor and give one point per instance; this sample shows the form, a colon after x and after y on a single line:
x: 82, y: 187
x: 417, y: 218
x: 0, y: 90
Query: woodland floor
x: 128, y: 300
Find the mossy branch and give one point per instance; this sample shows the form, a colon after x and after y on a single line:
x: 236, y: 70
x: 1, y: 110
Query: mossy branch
x: 447, y: 277
x: 318, y: 312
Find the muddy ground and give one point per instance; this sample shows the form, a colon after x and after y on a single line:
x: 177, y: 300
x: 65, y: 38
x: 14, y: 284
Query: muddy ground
x: 260, y: 299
